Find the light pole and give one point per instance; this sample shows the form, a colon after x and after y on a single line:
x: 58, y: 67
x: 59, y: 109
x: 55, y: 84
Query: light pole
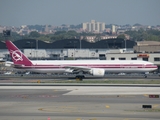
x: 74, y: 50
x: 125, y: 43
x: 31, y: 49
x: 114, y: 44
x: 36, y: 48
x: 80, y: 44
x: 30, y: 46
x: 74, y: 42
x: 107, y: 45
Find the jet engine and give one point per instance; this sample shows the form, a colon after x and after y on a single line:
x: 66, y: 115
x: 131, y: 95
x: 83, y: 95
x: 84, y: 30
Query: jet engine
x: 97, y: 72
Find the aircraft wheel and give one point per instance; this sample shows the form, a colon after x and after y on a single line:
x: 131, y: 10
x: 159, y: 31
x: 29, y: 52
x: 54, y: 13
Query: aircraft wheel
x: 79, y: 78
x: 145, y: 76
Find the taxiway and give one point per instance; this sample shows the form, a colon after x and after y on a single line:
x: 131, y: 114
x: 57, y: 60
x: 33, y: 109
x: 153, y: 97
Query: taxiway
x: 64, y: 102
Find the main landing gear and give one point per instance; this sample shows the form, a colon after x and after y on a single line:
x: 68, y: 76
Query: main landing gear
x: 79, y: 77
x: 145, y: 76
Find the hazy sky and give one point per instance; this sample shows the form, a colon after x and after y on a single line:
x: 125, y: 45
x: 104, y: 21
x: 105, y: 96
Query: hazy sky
x: 57, y: 12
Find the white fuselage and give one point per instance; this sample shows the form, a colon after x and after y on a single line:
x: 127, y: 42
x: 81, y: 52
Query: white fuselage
x: 59, y: 66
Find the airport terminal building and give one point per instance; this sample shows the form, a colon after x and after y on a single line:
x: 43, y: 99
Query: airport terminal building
x: 72, y: 49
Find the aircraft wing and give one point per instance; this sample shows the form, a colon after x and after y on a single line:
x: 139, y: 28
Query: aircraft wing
x: 9, y: 64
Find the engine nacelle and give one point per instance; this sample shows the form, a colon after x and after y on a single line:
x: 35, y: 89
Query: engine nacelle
x: 97, y: 72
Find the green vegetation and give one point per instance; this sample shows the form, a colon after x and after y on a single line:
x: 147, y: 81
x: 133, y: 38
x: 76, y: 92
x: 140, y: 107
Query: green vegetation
x: 121, y: 36
x: 110, y: 81
x: 145, y: 110
x: 73, y: 81
x: 51, y: 79
x: 140, y: 35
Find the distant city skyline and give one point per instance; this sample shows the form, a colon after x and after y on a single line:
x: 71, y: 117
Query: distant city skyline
x: 74, y: 12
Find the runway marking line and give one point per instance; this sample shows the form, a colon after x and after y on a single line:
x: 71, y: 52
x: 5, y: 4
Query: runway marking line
x: 126, y: 119
x: 93, y: 119
x: 21, y: 96
x: 48, y: 96
x: 107, y: 106
x: 54, y: 90
x: 78, y: 119
x: 126, y: 96
x: 69, y: 110
x: 61, y: 108
x: 155, y: 106
x: 146, y: 95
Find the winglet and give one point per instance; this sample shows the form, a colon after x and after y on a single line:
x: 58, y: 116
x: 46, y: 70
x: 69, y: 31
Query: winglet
x: 17, y: 56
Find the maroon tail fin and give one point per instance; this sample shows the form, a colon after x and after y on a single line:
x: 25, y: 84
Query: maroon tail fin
x: 17, y: 56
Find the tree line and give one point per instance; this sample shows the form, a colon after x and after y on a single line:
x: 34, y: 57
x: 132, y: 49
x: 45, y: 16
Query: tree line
x: 147, y: 35
x: 140, y: 35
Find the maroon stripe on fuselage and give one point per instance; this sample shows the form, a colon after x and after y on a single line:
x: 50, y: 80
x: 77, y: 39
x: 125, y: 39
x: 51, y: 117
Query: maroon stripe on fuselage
x: 93, y: 66
x: 96, y: 65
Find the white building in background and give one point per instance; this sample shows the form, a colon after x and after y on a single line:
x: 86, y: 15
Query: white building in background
x: 113, y: 29
x: 1, y: 29
x: 94, y: 26
x: 46, y: 29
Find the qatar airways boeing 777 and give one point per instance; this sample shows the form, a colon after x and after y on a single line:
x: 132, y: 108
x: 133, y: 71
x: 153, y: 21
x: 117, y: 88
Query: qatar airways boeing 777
x: 93, y: 67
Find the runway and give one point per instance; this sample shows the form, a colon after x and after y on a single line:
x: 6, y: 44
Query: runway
x: 42, y: 102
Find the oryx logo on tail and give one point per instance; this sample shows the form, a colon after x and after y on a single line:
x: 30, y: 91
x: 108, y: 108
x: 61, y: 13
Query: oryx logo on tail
x: 16, y: 55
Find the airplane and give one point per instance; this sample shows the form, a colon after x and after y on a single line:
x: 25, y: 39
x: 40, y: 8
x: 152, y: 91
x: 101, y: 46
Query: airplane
x: 96, y: 68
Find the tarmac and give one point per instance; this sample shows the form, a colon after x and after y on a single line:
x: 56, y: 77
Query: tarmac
x: 77, y: 101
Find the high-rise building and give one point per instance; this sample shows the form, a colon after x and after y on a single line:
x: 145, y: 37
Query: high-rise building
x: 94, y: 26
x: 46, y: 28
x: 113, y: 29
